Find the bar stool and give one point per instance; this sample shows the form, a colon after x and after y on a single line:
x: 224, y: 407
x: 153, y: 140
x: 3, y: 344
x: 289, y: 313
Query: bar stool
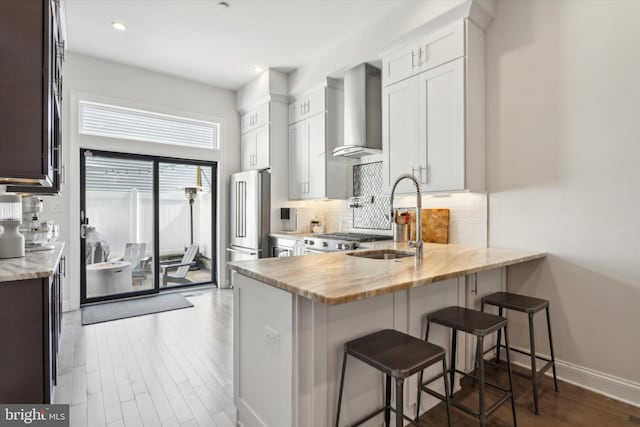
x: 398, y: 356
x: 480, y: 325
x: 531, y: 306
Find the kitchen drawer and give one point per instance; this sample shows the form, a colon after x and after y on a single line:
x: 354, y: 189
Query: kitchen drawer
x: 436, y: 49
x: 255, y: 118
x: 307, y: 106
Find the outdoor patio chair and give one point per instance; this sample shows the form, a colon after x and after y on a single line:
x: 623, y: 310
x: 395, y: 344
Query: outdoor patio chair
x: 134, y: 253
x: 180, y: 275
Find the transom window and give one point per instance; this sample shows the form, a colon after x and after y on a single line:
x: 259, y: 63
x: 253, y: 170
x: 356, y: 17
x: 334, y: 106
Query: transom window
x: 113, y: 121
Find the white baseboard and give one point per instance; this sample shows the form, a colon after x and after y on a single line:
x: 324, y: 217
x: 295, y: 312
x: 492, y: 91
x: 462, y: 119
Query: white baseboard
x: 608, y: 385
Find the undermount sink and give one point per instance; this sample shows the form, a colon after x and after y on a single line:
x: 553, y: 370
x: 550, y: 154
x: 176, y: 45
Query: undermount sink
x: 382, y: 254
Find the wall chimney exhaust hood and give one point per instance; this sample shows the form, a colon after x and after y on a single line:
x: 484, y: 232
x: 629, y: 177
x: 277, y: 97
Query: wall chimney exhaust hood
x: 362, y: 112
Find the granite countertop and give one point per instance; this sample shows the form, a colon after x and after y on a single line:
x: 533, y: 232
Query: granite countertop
x: 336, y: 278
x: 34, y: 265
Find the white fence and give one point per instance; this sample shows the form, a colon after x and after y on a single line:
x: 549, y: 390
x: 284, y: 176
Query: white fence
x: 127, y: 217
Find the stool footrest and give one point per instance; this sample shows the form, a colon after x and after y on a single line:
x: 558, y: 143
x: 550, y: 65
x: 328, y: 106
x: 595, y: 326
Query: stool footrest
x: 433, y: 393
x: 368, y: 417
x: 489, y: 410
x: 540, y: 372
x: 381, y: 410
x: 475, y: 378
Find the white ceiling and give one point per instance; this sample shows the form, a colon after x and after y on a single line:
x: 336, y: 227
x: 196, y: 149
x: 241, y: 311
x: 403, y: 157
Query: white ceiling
x: 199, y: 40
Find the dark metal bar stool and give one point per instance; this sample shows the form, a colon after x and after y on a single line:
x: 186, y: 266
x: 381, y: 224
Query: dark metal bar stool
x: 480, y: 325
x: 531, y: 306
x: 398, y: 356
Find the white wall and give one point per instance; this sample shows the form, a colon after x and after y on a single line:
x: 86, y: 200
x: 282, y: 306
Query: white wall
x: 376, y: 37
x: 563, y: 82
x: 112, y: 82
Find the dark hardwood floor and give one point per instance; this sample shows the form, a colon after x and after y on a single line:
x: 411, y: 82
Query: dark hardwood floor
x: 571, y: 406
x: 175, y: 369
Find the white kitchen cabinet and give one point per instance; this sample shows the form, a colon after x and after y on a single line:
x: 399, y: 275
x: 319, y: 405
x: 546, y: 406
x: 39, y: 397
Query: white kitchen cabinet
x: 313, y: 171
x: 255, y: 118
x: 435, y: 49
x: 307, y: 151
x: 298, y: 160
x: 254, y: 148
x: 317, y: 153
x: 400, y: 130
x: 433, y: 121
x: 307, y: 106
x: 440, y: 153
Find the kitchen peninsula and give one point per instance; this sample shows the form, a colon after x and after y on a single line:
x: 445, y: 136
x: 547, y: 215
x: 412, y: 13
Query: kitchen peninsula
x: 292, y: 315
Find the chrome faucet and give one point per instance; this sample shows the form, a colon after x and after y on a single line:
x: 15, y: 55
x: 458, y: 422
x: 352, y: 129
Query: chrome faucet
x: 417, y: 243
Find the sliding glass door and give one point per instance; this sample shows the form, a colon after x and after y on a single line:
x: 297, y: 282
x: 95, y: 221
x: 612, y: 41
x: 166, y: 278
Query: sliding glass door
x: 146, y: 224
x: 185, y: 209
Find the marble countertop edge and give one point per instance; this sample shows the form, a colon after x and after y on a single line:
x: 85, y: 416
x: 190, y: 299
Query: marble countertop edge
x: 337, y: 293
x: 34, y: 265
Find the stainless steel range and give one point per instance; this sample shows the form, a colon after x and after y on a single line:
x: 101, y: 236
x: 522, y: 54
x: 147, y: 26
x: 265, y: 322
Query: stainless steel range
x: 333, y: 242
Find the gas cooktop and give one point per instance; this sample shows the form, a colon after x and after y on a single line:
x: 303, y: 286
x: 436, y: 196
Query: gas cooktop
x: 332, y: 242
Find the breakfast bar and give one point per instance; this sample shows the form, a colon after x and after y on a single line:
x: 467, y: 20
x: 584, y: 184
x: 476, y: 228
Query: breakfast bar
x: 292, y: 316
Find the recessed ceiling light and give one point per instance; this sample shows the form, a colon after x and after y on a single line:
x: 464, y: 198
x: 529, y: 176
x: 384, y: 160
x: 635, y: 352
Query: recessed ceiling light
x: 118, y: 26
x: 258, y: 69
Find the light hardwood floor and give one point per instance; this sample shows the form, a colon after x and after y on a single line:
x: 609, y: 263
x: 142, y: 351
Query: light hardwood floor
x: 165, y: 369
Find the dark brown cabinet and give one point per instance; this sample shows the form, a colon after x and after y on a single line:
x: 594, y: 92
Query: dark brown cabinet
x: 31, y: 52
x: 30, y: 327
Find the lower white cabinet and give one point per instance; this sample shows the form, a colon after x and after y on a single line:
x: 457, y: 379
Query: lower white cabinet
x: 254, y: 149
x: 294, y: 345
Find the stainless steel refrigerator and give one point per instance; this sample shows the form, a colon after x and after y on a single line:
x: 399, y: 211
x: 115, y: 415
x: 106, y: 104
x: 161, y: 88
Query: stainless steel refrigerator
x: 249, y: 210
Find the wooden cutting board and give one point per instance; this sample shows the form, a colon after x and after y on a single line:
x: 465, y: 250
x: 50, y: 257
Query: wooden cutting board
x: 435, y: 225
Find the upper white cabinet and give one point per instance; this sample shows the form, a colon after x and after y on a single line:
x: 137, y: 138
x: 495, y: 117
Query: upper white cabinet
x: 307, y: 106
x: 254, y: 148
x: 260, y: 127
x: 433, y: 111
x: 426, y: 53
x: 255, y: 118
x: 315, y: 129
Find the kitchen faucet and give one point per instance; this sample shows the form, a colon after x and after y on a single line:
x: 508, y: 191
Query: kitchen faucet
x: 417, y: 243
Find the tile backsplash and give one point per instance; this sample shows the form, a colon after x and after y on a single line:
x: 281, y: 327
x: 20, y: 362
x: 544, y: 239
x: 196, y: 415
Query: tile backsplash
x: 467, y: 225
x: 369, y: 207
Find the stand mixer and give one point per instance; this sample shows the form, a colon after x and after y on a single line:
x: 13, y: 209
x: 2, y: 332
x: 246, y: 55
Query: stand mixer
x: 38, y: 235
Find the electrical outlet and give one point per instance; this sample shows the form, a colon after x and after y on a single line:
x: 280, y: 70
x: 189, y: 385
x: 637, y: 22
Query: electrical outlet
x: 272, y: 337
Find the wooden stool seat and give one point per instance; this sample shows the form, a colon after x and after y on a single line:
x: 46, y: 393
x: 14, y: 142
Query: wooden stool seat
x: 398, y: 356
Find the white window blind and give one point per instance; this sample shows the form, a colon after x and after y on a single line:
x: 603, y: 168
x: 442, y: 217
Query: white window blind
x: 114, y: 121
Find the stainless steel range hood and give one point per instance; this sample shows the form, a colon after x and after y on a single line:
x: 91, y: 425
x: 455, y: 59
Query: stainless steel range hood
x: 362, y: 112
